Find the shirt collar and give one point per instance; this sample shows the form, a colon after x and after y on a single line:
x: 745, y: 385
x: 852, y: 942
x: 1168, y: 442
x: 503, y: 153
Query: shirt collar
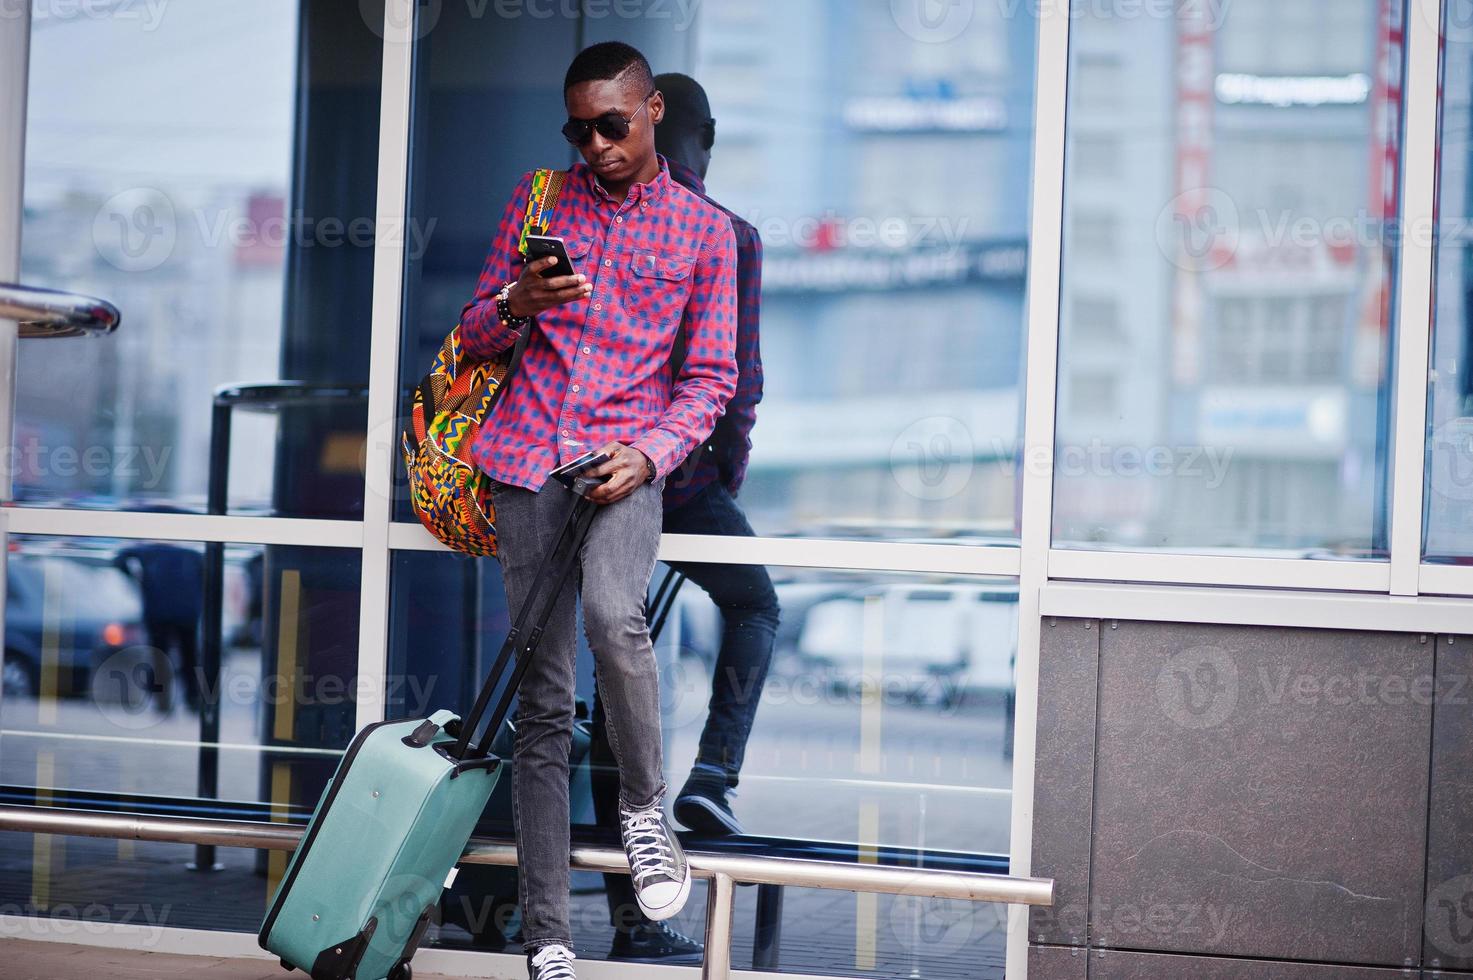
x: 682, y: 174
x: 652, y: 189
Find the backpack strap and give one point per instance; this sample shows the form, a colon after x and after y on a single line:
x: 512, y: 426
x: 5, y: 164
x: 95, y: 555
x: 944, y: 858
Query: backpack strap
x: 547, y: 187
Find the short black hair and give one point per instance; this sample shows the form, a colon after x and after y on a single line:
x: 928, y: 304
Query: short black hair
x: 685, y: 100
x: 607, y: 61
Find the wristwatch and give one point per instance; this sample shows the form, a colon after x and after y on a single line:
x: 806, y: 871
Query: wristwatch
x: 649, y: 468
x: 503, y: 309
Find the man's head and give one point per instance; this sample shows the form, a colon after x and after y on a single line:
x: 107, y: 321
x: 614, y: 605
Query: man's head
x: 609, y: 90
x: 687, y: 131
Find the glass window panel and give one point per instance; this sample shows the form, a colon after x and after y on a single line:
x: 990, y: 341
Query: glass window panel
x: 177, y: 178
x: 892, y: 302
x: 1241, y: 241
x: 109, y: 677
x: 1448, y: 533
x: 885, y: 719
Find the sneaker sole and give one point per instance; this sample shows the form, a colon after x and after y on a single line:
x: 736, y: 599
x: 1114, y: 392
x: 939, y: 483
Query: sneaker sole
x: 667, y: 911
x: 707, y: 818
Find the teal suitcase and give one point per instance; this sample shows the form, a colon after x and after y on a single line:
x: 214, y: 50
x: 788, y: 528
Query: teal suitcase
x: 361, y: 889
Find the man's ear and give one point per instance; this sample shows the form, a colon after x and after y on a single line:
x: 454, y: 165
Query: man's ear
x: 657, y: 107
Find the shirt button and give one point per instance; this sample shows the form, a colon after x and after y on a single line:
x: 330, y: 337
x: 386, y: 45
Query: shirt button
x: 598, y: 307
x: 566, y: 432
x: 588, y: 350
x: 608, y: 262
x: 645, y: 204
x: 620, y: 219
x: 575, y: 388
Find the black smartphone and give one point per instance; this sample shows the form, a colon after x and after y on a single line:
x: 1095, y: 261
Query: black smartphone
x: 575, y: 468
x: 541, y: 246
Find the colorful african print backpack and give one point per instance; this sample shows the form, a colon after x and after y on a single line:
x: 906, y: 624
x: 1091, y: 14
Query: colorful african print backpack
x: 448, y: 491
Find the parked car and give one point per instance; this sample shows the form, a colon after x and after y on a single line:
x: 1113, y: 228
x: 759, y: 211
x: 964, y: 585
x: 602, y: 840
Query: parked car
x: 932, y: 644
x: 87, y: 610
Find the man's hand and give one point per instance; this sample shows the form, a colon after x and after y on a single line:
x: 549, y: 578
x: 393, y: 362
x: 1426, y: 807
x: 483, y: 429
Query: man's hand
x: 626, y: 470
x: 532, y: 294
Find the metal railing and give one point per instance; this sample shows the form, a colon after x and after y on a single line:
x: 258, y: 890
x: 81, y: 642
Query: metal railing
x: 54, y: 313
x: 723, y: 870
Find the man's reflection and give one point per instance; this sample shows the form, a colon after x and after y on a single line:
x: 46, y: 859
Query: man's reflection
x: 170, y: 577
x: 699, y: 500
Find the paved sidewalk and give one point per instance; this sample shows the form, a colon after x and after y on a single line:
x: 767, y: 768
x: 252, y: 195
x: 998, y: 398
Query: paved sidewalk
x: 27, y: 960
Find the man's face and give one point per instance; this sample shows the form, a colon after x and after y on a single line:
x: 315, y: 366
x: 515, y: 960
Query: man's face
x: 618, y: 161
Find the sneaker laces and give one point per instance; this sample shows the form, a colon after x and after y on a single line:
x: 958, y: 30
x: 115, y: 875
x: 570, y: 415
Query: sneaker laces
x: 647, y: 842
x: 554, y: 962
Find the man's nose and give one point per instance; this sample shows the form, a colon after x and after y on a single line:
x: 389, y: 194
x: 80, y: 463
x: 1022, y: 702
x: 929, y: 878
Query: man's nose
x: 597, y: 143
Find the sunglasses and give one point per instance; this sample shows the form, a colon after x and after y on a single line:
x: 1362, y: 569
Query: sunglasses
x: 610, y: 125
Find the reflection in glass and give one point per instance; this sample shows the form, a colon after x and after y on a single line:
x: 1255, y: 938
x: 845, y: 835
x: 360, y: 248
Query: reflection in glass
x: 117, y: 694
x: 884, y: 720
x: 892, y: 298
x: 1226, y: 278
x: 1449, y: 518
x: 175, y: 177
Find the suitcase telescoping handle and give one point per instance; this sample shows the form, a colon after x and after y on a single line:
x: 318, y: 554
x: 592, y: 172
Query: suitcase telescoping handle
x: 526, y: 630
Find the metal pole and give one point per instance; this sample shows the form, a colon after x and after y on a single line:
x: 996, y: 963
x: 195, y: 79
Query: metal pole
x: 968, y: 886
x: 719, y: 914
x: 767, y: 943
x: 213, y: 625
x: 15, y: 54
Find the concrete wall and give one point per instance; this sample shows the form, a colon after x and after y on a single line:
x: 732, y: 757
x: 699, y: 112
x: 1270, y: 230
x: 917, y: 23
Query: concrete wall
x: 1229, y: 801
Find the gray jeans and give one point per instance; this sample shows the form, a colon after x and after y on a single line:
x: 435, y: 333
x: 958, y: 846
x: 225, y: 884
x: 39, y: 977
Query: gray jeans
x: 613, y: 575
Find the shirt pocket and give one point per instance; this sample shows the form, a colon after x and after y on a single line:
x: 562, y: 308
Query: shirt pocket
x: 658, y: 286
x: 577, y: 246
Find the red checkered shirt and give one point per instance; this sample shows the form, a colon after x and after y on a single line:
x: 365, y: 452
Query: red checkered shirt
x: 725, y: 456
x: 597, y: 370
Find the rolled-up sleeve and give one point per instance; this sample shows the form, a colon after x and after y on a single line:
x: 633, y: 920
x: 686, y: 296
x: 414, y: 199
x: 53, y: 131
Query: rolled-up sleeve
x: 482, y: 334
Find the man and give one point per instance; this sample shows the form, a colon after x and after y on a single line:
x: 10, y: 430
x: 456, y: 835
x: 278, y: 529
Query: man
x: 699, y: 500
x: 651, y: 259
x: 171, y: 578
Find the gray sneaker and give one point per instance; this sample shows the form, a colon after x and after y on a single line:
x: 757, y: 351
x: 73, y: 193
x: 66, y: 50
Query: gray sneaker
x: 552, y: 962
x: 657, y: 862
